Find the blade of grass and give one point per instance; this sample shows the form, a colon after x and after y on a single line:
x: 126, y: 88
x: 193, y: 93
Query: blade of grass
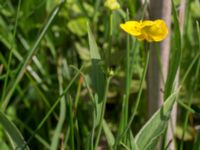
x: 125, y: 103
x: 37, y: 136
x: 102, y: 113
x: 91, y: 137
x: 109, y: 136
x: 14, y: 134
x: 56, y: 137
x: 194, y: 88
x: 188, y: 108
x: 71, y: 123
x: 54, y: 105
x: 35, y: 59
x: 98, y: 84
x: 30, y: 55
x: 11, y: 51
x: 176, y: 55
x: 137, y: 101
x: 98, y: 78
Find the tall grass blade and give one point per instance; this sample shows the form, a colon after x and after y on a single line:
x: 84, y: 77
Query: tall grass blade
x: 55, y: 104
x: 30, y: 56
x: 176, y: 55
x: 98, y: 78
x: 98, y: 81
x: 71, y: 123
x: 125, y: 131
x: 193, y: 88
x: 15, y: 136
x: 37, y: 136
x: 56, y: 137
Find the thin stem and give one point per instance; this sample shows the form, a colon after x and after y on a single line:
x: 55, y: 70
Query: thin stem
x: 102, y: 113
x: 71, y: 124
x: 127, y: 80
x: 110, y: 38
x: 137, y: 100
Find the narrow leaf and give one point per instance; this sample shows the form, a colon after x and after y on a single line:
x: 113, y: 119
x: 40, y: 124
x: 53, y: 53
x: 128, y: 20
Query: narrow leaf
x: 176, y: 55
x: 109, y: 136
x: 150, y: 133
x: 98, y: 78
x: 15, y: 136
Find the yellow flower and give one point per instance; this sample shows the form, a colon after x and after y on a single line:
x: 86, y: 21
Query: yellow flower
x: 112, y: 4
x: 146, y: 30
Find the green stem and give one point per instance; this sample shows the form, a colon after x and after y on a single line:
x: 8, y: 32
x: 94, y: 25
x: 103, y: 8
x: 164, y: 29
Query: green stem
x: 102, y: 113
x: 110, y: 39
x: 57, y: 132
x: 71, y: 124
x: 125, y: 101
x: 127, y: 80
x: 97, y: 4
x: 137, y: 100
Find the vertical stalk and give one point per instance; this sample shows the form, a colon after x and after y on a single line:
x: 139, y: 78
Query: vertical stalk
x: 71, y: 123
x: 127, y: 80
x: 110, y: 38
x: 125, y: 108
x: 127, y: 127
x: 102, y: 113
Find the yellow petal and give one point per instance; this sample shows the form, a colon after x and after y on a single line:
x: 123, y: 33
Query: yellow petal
x: 132, y: 27
x: 146, y: 23
x: 156, y: 32
x: 146, y: 30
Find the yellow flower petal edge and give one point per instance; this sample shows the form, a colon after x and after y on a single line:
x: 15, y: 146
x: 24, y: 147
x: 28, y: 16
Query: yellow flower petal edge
x: 146, y: 30
x: 132, y: 27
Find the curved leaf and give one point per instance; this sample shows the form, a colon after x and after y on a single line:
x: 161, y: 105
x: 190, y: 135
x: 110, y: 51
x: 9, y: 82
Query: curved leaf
x: 14, y: 134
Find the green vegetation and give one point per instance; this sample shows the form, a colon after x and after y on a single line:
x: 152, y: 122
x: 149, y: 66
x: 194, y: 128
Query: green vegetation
x: 71, y: 78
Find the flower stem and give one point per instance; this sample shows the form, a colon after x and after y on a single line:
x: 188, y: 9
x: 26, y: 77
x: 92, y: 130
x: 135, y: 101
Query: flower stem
x: 102, y: 113
x: 137, y: 100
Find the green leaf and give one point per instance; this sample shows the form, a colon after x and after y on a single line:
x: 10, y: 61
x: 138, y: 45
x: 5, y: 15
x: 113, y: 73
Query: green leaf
x: 98, y: 78
x: 4, y: 146
x: 132, y: 141
x: 150, y: 133
x: 28, y: 59
x: 94, y: 51
x: 109, y: 136
x: 176, y: 55
x: 58, y: 130
x: 14, y: 134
